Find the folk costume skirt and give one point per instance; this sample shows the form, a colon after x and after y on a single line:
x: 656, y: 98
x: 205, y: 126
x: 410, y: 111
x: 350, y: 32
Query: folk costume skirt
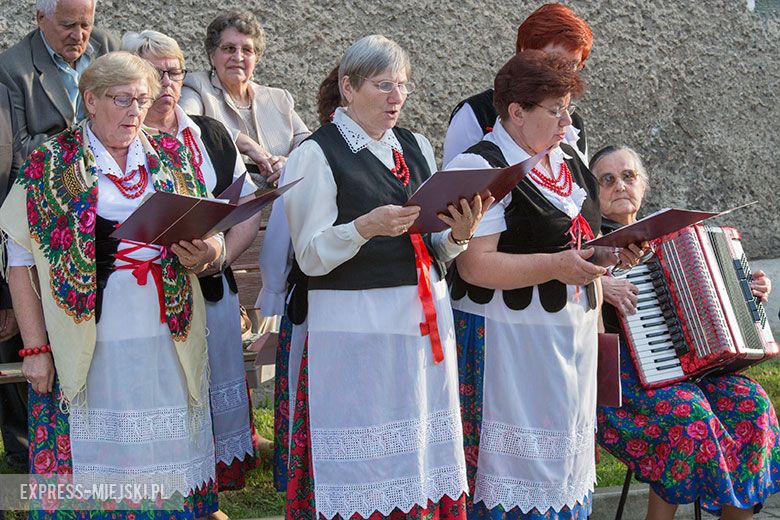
x: 717, y: 439
x: 137, y: 419
x: 235, y: 439
x: 528, y: 397
x: 377, y: 431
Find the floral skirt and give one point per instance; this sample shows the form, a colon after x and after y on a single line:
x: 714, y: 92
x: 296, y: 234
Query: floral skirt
x: 717, y: 439
x: 300, y: 483
x: 49, y: 433
x: 282, y: 405
x: 470, y: 337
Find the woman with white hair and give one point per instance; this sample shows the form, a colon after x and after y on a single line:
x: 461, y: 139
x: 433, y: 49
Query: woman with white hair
x: 217, y: 161
x: 716, y: 439
x: 377, y: 400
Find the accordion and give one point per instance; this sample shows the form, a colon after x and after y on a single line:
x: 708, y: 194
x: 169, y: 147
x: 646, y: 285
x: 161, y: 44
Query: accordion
x: 696, y: 314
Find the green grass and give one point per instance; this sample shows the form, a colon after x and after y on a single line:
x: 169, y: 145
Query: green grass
x: 259, y: 499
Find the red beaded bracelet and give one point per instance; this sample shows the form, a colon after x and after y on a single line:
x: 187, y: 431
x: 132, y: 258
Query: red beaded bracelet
x: 35, y: 350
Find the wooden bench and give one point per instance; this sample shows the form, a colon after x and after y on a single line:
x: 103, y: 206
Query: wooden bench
x: 11, y: 373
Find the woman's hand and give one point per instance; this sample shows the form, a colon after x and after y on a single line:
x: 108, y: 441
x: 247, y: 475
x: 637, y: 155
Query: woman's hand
x: 631, y: 255
x: 39, y: 371
x: 761, y: 286
x: 464, y: 223
x: 572, y: 267
x: 621, y: 293
x: 196, y: 255
x: 277, y: 163
x: 386, y: 221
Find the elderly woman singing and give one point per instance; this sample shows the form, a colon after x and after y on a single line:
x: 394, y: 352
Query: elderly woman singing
x: 377, y: 393
x: 525, y: 309
x: 115, y: 329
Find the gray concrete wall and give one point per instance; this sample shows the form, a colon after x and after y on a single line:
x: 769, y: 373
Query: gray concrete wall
x: 691, y: 85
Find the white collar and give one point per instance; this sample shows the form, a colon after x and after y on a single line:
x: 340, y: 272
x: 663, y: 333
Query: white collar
x: 105, y: 163
x: 356, y: 137
x: 185, y: 122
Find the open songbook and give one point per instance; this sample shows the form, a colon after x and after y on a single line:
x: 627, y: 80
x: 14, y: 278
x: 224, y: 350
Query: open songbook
x: 657, y: 225
x: 164, y: 218
x: 449, y: 186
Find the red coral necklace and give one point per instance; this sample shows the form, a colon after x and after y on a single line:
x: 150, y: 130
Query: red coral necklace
x: 401, y: 170
x: 561, y: 185
x: 127, y: 185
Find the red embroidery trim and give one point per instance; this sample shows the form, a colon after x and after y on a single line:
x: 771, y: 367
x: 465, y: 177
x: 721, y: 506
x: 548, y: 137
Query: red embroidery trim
x: 401, y: 170
x: 430, y: 326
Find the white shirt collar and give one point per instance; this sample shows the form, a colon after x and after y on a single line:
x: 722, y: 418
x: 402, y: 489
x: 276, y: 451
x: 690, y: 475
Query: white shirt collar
x: 356, y: 137
x: 185, y: 122
x: 107, y: 164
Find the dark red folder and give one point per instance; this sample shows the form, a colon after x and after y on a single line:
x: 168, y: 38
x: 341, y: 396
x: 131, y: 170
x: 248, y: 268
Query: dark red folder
x: 165, y: 218
x: 653, y: 226
x: 447, y: 187
x: 608, y: 389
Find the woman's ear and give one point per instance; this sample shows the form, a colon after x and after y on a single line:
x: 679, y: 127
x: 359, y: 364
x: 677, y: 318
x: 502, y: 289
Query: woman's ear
x: 516, y: 113
x: 347, y: 93
x: 90, y: 101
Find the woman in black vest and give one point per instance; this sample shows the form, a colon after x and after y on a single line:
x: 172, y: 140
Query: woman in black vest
x: 217, y: 162
x: 525, y: 308
x: 377, y: 394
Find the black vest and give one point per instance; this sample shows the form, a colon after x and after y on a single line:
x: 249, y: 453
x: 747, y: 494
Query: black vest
x: 105, y: 248
x: 482, y: 105
x: 222, y: 152
x: 364, y: 183
x: 534, y: 225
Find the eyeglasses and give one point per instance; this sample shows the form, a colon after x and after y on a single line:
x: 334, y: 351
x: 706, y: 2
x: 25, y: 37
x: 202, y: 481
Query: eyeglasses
x: 124, y: 101
x: 558, y: 111
x: 387, y: 87
x: 231, y: 50
x: 608, y: 180
x: 173, y: 74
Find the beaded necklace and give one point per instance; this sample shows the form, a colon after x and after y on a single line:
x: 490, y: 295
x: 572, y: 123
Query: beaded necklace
x: 401, y: 170
x: 561, y: 185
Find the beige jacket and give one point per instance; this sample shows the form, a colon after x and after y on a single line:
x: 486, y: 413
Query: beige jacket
x: 279, y: 128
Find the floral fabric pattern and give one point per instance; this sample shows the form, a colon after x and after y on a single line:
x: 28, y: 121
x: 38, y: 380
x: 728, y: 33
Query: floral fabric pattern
x: 62, y: 211
x: 470, y: 337
x: 717, y: 439
x: 49, y: 434
x: 282, y: 405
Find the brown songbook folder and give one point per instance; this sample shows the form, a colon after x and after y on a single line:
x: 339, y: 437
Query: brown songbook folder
x: 608, y: 389
x: 657, y: 225
x: 447, y: 187
x: 165, y: 218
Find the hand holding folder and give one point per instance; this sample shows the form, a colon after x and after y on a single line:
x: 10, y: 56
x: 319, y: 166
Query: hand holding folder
x: 166, y: 218
x: 447, y: 187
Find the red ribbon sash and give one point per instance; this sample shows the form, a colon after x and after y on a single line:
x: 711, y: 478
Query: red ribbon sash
x: 430, y: 326
x: 141, y: 270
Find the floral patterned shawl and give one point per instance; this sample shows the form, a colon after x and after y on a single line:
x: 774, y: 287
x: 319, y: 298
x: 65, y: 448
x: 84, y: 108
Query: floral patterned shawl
x: 51, y: 212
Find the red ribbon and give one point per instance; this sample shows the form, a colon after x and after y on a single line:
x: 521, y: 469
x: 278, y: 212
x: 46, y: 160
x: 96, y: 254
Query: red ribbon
x: 579, y: 229
x: 141, y: 269
x: 430, y: 326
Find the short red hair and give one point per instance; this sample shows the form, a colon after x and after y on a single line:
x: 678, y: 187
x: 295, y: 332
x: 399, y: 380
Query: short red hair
x: 555, y: 24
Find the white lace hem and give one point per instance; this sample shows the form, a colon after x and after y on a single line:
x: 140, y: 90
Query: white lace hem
x: 333, y: 444
x: 228, y: 396
x: 507, y: 492
x: 233, y: 446
x: 183, y: 477
x: 532, y: 443
x: 139, y: 426
x: 383, y: 497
